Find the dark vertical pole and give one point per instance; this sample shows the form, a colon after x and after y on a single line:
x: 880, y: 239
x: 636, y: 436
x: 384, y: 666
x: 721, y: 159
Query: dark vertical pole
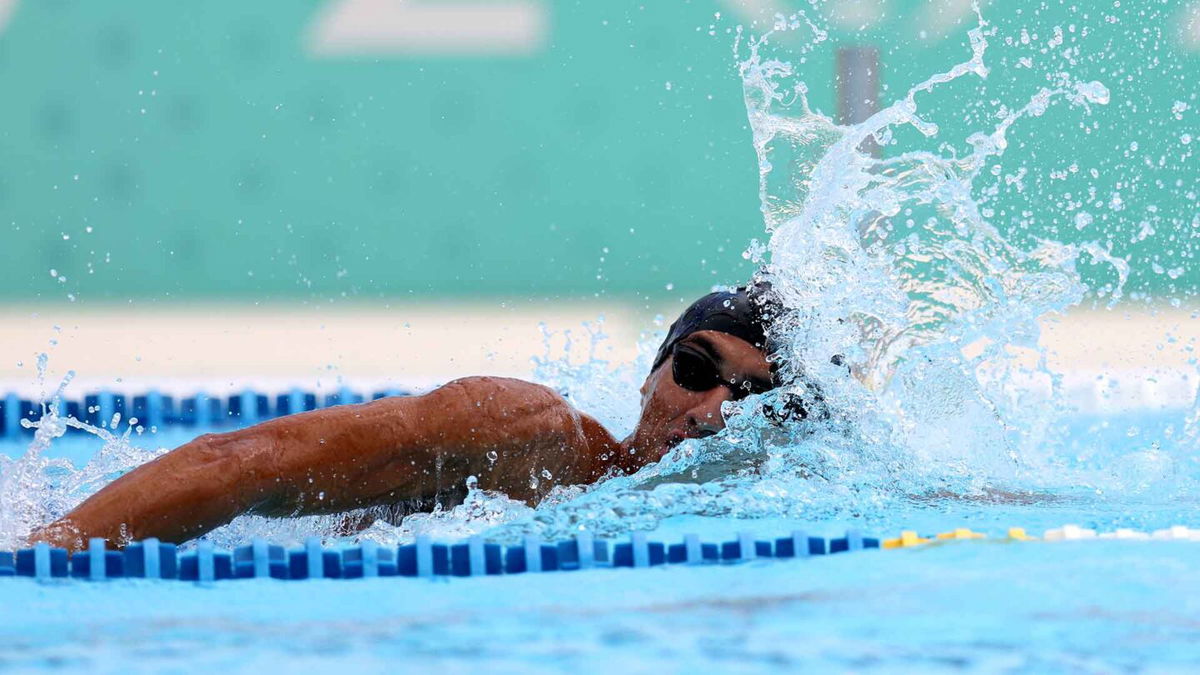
x: 858, y: 87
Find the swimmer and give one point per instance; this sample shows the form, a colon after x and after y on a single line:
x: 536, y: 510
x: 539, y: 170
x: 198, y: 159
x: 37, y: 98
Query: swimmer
x: 515, y: 437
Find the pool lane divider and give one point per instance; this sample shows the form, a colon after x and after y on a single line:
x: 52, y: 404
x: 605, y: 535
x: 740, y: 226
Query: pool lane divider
x: 154, y: 409
x: 152, y: 559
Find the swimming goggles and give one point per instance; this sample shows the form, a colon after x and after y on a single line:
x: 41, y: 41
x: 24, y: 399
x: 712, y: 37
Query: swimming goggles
x: 695, y: 370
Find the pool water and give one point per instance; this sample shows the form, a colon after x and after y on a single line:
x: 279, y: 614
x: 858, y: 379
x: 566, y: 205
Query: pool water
x: 1075, y: 606
x: 1083, y: 606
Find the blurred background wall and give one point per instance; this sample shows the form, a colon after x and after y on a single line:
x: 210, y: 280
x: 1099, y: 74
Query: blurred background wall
x: 383, y: 152
x: 384, y: 148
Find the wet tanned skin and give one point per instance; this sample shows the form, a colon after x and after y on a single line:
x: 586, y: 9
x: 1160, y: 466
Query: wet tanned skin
x: 396, y: 449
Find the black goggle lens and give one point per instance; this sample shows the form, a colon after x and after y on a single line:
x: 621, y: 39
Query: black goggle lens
x: 694, y: 371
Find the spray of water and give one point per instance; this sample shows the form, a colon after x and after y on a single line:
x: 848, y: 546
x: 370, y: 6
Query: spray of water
x: 890, y: 263
x: 35, y: 489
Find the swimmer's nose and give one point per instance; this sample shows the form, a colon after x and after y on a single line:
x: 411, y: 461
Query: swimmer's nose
x: 705, y: 417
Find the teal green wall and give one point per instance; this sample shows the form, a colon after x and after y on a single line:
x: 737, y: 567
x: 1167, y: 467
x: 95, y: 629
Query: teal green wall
x: 213, y: 157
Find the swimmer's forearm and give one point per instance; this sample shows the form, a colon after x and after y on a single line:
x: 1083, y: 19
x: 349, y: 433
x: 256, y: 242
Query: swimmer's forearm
x: 312, y: 463
x: 337, y: 459
x: 176, y: 497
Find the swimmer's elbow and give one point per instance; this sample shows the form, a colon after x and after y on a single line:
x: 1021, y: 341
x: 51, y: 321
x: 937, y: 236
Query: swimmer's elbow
x: 226, y: 447
x: 235, y: 464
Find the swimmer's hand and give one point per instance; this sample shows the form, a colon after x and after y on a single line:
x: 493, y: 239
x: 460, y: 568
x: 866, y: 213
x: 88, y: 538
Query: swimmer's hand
x: 513, y: 436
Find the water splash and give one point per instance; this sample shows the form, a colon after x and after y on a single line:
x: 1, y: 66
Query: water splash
x: 890, y: 263
x: 587, y: 379
x: 35, y: 489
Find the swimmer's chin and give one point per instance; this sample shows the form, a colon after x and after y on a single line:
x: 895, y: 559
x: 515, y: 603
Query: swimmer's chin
x: 674, y: 440
x: 641, y: 455
x: 650, y: 452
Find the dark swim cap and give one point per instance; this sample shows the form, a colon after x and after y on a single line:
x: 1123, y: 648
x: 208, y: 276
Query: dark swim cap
x: 744, y: 313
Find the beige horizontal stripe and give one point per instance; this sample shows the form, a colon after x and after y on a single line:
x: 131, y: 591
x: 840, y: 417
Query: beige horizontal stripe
x: 225, y: 347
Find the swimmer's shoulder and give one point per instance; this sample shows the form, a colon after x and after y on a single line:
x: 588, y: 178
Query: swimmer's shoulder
x: 519, y: 401
x: 504, y: 396
x: 523, y: 408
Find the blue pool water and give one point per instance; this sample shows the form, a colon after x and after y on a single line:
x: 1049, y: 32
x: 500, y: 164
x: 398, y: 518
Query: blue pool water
x: 1075, y: 607
x: 1079, y: 606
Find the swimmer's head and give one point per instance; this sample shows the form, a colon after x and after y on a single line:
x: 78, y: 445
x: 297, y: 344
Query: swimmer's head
x: 716, y: 351
x: 744, y: 313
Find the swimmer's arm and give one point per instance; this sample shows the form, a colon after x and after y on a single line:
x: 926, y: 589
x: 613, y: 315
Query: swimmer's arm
x: 507, y: 433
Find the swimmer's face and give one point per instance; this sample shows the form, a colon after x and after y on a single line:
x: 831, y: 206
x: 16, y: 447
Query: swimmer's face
x: 682, y: 398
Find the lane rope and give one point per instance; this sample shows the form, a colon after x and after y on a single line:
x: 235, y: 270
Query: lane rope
x: 152, y: 559
x: 153, y: 409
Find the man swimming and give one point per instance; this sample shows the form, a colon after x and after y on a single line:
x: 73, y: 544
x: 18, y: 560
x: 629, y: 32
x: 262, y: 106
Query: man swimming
x: 507, y: 433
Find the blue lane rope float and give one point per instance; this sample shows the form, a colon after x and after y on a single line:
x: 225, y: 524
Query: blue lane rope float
x: 154, y: 409
x: 152, y: 559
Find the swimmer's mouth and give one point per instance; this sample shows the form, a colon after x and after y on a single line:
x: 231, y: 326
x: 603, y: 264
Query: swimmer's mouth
x: 677, y: 437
